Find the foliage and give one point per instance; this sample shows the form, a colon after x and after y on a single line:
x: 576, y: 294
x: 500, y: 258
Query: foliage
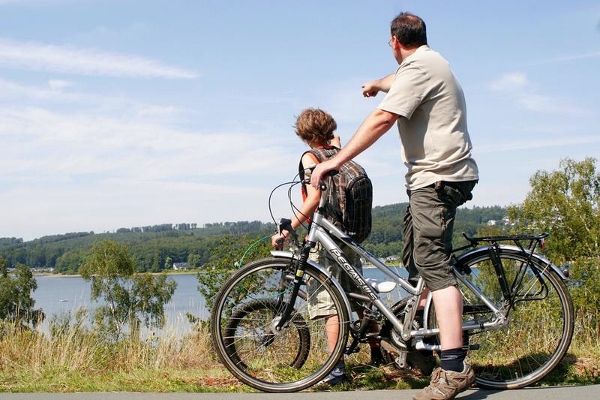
x: 566, y: 203
x: 227, y: 256
x: 128, y: 299
x: 586, y: 298
x: 153, y: 246
x: 386, y: 234
x: 16, y: 301
x: 150, y: 246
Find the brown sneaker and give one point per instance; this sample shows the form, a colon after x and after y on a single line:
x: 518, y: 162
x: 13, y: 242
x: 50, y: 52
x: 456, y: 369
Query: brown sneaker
x: 446, y: 385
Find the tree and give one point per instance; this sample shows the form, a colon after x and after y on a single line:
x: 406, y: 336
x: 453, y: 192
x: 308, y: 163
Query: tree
x: 128, y: 299
x: 228, y: 255
x: 16, y: 301
x: 168, y: 263
x: 566, y: 203
x: 194, y: 260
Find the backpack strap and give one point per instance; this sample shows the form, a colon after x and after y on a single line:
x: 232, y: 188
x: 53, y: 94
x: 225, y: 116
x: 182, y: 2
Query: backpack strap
x: 322, y: 154
x: 332, y: 208
x: 302, y: 172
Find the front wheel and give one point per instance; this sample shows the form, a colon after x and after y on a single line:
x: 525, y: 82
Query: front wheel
x: 540, y: 319
x: 245, y: 324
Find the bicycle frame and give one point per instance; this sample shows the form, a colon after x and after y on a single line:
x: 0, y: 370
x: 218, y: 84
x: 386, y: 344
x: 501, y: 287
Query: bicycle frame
x: 322, y: 230
x: 268, y: 329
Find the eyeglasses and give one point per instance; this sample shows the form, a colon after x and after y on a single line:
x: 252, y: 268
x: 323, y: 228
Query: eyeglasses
x: 390, y: 41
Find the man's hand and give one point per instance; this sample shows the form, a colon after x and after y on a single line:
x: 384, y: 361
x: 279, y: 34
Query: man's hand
x: 321, y: 171
x: 371, y: 88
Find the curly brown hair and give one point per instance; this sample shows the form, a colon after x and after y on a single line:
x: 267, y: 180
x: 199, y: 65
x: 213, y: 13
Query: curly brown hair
x: 315, y: 126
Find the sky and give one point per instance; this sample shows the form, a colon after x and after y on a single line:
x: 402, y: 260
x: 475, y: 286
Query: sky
x: 130, y: 113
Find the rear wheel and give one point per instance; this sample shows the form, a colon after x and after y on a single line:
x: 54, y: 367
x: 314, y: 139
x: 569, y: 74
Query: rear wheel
x: 540, y: 320
x: 245, y: 319
x: 244, y: 323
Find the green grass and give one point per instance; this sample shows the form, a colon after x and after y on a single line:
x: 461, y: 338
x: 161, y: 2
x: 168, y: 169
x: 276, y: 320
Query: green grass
x: 77, y: 360
x: 142, y: 380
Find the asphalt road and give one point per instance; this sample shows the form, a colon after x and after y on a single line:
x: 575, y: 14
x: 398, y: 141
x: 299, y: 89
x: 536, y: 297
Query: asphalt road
x: 547, y: 393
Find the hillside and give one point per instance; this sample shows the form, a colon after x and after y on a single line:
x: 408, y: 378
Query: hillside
x: 159, y: 246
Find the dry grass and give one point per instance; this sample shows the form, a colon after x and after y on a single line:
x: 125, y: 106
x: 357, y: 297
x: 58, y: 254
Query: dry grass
x: 76, y: 359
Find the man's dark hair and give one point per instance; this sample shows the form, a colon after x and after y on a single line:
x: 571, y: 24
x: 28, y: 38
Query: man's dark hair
x: 409, y: 29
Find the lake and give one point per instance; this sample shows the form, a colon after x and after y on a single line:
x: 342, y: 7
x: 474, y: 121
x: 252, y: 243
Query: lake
x: 58, y: 295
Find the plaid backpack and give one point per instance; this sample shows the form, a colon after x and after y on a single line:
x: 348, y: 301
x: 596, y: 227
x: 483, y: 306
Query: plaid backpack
x: 350, y: 200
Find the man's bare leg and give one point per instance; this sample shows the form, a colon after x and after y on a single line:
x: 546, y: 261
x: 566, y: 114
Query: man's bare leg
x: 448, y: 305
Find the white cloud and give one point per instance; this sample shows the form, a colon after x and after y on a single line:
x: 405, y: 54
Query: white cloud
x: 522, y: 91
x: 55, y: 93
x: 59, y: 85
x: 69, y: 59
x: 109, y: 205
x: 539, y: 143
x: 79, y: 161
x: 570, y: 57
x: 13, y: 91
x: 66, y: 172
x: 67, y: 144
x: 510, y: 82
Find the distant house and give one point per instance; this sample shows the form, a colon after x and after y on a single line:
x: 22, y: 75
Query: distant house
x: 180, y: 266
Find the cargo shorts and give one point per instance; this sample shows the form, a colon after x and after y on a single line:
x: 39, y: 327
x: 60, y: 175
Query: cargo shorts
x: 428, y: 228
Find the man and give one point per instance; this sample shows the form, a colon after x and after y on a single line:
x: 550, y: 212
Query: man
x: 428, y: 105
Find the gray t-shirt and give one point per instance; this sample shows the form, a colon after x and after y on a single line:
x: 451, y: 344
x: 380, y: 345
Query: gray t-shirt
x: 433, y: 120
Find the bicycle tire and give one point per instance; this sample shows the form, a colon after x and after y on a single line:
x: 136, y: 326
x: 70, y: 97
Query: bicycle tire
x: 540, y: 326
x: 271, y: 307
x: 247, y: 309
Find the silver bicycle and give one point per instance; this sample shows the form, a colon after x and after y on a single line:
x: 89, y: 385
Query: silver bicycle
x: 518, y: 315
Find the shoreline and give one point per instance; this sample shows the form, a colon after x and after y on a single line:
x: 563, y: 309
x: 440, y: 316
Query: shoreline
x: 58, y: 275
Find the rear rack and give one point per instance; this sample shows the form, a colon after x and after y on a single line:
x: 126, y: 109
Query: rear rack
x: 532, y: 241
x: 513, y: 238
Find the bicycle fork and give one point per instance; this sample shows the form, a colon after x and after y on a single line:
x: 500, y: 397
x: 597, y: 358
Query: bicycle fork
x: 298, y: 281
